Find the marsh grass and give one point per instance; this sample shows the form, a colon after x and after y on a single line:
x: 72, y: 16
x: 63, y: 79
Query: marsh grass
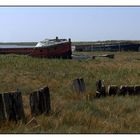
x: 72, y: 113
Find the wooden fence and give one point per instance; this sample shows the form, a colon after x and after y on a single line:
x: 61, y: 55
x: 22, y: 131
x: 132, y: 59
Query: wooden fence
x: 11, y: 104
x: 102, y: 91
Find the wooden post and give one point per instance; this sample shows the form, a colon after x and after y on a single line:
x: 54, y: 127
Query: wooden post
x: 2, y: 114
x: 76, y: 85
x: 137, y: 89
x: 112, y: 90
x: 130, y: 90
x: 18, y: 106
x: 79, y: 85
x: 44, y: 100
x: 12, y: 106
x: 82, y: 85
x: 34, y: 103
x: 122, y: 90
x: 40, y: 102
x: 100, y: 89
x: 7, y: 102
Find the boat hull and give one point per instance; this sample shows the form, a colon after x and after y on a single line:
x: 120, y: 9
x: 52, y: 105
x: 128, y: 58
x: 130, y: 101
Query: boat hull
x: 56, y: 51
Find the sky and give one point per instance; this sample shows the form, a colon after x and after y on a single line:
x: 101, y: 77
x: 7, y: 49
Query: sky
x: 19, y: 24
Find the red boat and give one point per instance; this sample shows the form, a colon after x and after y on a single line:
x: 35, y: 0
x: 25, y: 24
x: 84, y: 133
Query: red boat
x: 50, y: 48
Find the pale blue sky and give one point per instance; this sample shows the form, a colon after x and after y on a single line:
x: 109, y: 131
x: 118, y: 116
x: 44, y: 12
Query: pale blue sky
x: 77, y: 23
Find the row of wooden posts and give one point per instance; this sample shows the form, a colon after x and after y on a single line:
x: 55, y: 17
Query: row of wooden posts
x: 11, y: 104
x: 80, y: 87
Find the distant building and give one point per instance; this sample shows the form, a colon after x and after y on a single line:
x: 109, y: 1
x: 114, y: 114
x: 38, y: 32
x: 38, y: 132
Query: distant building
x: 105, y: 47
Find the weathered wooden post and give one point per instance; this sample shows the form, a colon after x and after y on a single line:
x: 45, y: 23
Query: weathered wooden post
x: 76, y: 85
x: 82, y: 85
x: 40, y: 102
x: 12, y: 106
x: 112, y: 90
x: 18, y: 103
x: 122, y: 90
x: 137, y: 89
x: 100, y: 89
x: 2, y: 114
x: 79, y: 85
x: 34, y: 103
x: 130, y: 90
x: 44, y: 98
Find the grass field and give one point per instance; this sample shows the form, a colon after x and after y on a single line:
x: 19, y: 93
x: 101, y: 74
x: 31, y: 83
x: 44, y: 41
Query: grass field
x: 72, y: 113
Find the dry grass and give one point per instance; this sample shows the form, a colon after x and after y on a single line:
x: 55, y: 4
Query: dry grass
x: 72, y: 113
